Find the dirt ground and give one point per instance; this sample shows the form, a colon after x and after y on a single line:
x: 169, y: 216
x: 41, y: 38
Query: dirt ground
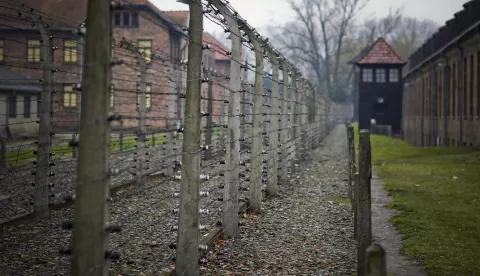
x: 385, y: 233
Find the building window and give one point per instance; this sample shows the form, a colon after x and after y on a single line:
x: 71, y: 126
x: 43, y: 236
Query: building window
x: 33, y: 50
x: 367, y: 75
x: 70, y: 51
x: 148, y: 96
x: 112, y: 96
x: 393, y: 75
x: 145, y: 47
x: 175, y: 47
x: 1, y: 50
x: 380, y: 75
x: 134, y: 19
x: 117, y: 19
x: 125, y: 19
x: 12, y: 106
x: 26, y: 106
x: 69, y: 96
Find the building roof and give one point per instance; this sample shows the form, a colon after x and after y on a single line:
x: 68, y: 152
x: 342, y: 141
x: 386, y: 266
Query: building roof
x: 217, y: 46
x: 71, y: 13
x: 178, y: 17
x: 379, y: 53
x: 14, y: 82
x: 463, y: 25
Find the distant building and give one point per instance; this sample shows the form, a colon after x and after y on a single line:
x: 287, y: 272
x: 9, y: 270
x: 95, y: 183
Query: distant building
x: 21, y: 61
x: 442, y: 88
x: 378, y: 86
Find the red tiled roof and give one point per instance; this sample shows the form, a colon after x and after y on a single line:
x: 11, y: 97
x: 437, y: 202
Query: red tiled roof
x: 381, y: 53
x: 178, y: 17
x: 217, y: 46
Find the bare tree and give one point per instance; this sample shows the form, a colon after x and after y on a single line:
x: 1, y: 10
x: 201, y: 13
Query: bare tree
x: 411, y: 33
x: 385, y: 27
x: 316, y: 37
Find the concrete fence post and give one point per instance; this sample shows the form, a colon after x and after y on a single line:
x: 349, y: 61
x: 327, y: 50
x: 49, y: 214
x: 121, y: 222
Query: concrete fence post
x: 209, y: 127
x: 43, y: 171
x: 3, y: 154
x: 255, y: 189
x: 142, y: 110
x: 376, y: 261
x: 350, y: 158
x: 232, y: 153
x: 272, y: 181
x: 171, y: 120
x: 295, y: 122
x: 284, y: 125
x: 121, y: 136
x: 91, y: 212
x: 364, y: 216
x: 188, y: 235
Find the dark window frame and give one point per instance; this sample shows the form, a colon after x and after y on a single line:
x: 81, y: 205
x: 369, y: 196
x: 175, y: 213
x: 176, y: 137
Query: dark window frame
x: 27, y: 104
x: 34, y: 47
x: 126, y: 19
x: 72, y: 92
x: 12, y: 106
x: 380, y: 72
x: 117, y: 16
x: 67, y: 50
x: 371, y: 75
x: 397, y: 73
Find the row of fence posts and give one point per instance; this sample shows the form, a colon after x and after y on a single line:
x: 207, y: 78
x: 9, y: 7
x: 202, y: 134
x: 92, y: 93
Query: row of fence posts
x: 371, y: 258
x: 91, y: 213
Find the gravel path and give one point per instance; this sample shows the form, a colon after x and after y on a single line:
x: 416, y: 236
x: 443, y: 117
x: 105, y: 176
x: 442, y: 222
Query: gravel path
x: 145, y: 214
x: 385, y: 233
x: 307, y: 230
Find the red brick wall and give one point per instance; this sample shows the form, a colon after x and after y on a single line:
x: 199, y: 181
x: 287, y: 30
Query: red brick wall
x: 124, y: 77
x: 463, y: 80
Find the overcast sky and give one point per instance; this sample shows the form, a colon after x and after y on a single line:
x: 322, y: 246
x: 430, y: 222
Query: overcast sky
x: 259, y: 13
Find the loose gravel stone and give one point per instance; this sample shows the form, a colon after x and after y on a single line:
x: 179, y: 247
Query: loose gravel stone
x: 307, y: 230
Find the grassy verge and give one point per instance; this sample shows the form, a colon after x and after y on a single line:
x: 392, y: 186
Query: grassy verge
x: 437, y: 194
x: 24, y: 156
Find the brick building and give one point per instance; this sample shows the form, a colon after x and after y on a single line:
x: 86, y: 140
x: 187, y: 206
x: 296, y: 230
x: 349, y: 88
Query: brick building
x: 216, y: 63
x: 441, y: 94
x: 139, y: 22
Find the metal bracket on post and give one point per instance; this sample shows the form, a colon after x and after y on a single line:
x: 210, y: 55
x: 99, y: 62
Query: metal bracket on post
x: 142, y: 110
x: 42, y: 175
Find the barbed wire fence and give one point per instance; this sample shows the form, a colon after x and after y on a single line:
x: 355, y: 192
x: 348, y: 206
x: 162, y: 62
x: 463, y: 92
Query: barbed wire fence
x: 147, y: 158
